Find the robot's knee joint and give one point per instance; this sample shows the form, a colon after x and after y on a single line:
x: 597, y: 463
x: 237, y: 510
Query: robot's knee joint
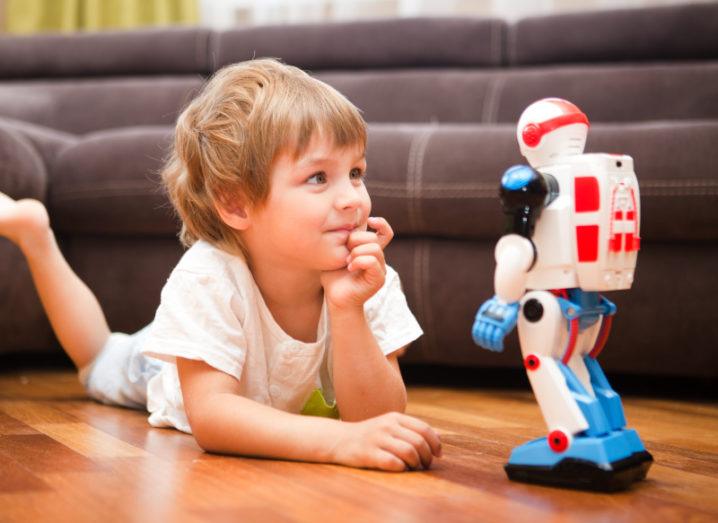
x: 533, y: 310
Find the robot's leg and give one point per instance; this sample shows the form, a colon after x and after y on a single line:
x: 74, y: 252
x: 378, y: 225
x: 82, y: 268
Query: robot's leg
x: 580, y: 450
x: 542, y: 334
x: 611, y: 401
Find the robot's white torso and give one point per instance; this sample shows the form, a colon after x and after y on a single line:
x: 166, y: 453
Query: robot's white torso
x: 588, y: 237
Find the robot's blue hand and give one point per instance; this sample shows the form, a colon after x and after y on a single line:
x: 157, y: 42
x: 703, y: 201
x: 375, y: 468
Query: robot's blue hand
x: 493, y: 322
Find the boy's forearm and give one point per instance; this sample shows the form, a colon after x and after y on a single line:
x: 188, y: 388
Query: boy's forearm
x: 365, y: 383
x: 238, y: 425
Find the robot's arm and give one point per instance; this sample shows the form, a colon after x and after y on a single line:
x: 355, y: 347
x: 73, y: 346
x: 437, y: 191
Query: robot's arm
x: 514, y: 257
x: 497, y: 316
x: 524, y: 192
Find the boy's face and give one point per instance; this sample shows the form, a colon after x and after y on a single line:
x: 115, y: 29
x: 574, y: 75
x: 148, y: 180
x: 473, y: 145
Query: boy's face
x: 315, y: 202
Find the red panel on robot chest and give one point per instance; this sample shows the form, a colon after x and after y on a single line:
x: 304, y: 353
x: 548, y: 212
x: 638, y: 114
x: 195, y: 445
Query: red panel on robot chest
x: 586, y: 194
x: 587, y: 242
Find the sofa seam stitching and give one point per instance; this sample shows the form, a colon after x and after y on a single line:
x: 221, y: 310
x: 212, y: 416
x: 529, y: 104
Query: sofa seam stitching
x: 419, y: 154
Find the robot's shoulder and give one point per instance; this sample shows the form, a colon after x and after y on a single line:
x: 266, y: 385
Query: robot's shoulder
x: 523, y: 195
x: 518, y: 177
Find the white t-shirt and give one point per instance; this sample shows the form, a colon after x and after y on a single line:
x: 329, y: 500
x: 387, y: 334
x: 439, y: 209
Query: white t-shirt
x: 212, y: 310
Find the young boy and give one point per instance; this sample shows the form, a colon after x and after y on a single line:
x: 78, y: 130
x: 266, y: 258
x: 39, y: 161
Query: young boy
x: 283, y: 298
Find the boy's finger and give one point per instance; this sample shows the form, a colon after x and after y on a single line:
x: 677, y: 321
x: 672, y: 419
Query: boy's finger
x: 404, y: 451
x: 362, y: 237
x: 385, y: 460
x: 383, y: 230
x: 419, y: 443
x: 429, y: 434
x: 367, y: 249
x: 374, y: 270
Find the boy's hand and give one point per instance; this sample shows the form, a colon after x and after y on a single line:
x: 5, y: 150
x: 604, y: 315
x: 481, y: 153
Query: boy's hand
x: 393, y: 441
x: 366, y: 267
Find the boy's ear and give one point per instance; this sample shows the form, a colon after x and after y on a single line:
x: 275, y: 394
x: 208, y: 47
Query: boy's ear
x: 234, y: 214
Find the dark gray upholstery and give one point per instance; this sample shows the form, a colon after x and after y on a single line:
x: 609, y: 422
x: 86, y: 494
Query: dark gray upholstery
x: 392, y: 44
x: 92, y: 104
x: 153, y: 52
x: 85, y: 122
x: 679, y: 32
x: 22, y: 171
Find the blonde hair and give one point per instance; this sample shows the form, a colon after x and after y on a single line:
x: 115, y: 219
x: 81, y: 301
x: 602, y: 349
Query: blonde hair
x: 227, y: 138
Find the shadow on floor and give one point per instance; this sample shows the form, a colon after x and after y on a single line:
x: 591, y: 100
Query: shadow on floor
x: 669, y: 387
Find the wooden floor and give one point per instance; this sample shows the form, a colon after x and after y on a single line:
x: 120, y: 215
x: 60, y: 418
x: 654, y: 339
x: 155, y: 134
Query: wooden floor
x: 64, y: 458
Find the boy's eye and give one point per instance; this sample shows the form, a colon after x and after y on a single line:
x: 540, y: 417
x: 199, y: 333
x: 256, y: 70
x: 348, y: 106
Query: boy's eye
x: 356, y: 174
x: 317, y: 178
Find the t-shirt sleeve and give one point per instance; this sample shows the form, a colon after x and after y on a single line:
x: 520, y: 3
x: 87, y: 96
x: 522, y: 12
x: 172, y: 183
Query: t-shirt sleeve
x: 199, y: 319
x: 389, y: 317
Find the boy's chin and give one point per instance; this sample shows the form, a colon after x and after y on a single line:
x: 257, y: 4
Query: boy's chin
x: 334, y: 265
x: 336, y: 261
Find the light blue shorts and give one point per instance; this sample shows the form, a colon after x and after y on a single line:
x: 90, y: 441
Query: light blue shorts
x: 120, y: 373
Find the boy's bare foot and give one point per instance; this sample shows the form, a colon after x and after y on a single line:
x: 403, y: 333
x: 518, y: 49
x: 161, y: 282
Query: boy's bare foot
x: 23, y: 222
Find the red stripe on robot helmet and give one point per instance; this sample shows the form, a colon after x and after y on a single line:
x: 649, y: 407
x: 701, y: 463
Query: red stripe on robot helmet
x: 532, y: 133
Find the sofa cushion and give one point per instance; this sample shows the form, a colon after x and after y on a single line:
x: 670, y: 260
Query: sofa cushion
x: 442, y: 181
x: 669, y: 306
x: 149, y: 51
x: 87, y: 105
x: 415, y: 95
x: 427, y: 180
x: 47, y: 142
x: 22, y: 170
x: 606, y: 93
x: 412, y: 42
x: 679, y: 32
x: 108, y: 183
x: 613, y: 92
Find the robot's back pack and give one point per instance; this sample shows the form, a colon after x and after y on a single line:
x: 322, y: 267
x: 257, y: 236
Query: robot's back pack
x: 589, y: 236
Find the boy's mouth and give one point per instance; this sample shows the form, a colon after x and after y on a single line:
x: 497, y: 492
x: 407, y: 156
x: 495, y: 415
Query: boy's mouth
x: 349, y: 227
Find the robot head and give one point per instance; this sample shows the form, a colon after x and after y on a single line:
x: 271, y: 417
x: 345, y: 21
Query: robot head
x: 550, y: 129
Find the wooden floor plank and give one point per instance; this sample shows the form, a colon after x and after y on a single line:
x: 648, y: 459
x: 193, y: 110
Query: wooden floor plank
x: 14, y: 476
x: 10, y: 426
x: 133, y: 429
x: 64, y: 428
x: 42, y: 454
x: 66, y: 458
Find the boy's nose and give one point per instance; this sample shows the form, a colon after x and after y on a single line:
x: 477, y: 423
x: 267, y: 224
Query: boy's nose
x: 349, y: 197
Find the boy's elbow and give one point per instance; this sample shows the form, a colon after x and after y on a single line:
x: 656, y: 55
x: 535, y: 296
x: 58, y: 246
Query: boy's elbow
x: 208, y: 442
x: 203, y: 441
x: 401, y: 399
x: 202, y: 433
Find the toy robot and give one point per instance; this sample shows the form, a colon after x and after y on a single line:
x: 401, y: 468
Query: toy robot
x: 573, y: 231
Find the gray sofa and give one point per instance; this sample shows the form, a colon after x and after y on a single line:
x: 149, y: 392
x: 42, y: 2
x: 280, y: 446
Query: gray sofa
x: 86, y: 120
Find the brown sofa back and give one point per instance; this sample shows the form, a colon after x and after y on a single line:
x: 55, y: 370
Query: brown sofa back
x: 619, y: 66
x: 678, y: 32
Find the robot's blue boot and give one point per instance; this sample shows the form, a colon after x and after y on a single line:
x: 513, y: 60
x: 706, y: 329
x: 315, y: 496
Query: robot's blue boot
x: 604, y: 457
x: 606, y: 463
x: 613, y: 409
